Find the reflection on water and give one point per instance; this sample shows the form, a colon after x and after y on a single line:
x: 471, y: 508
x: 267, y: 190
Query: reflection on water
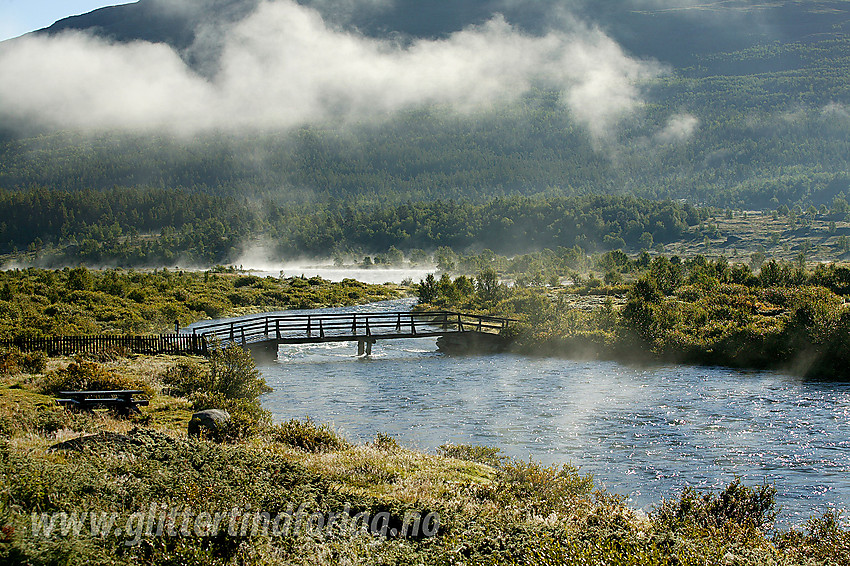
x: 642, y: 432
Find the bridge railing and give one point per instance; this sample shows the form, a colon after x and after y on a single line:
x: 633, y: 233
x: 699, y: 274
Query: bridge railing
x: 364, y: 325
x: 149, y: 344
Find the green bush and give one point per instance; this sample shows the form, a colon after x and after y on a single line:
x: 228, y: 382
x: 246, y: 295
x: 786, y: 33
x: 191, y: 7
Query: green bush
x: 824, y: 541
x: 385, y: 442
x: 748, y: 507
x: 232, y: 383
x: 488, y: 455
x: 185, y: 379
x: 234, y: 375
x: 545, y: 489
x: 14, y: 361
x: 307, y: 436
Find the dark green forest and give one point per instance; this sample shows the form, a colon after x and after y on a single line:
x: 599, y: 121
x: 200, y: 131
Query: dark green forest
x: 147, y: 227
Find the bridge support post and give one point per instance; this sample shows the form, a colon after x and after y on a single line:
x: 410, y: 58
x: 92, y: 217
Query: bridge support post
x: 264, y: 353
x: 364, y: 347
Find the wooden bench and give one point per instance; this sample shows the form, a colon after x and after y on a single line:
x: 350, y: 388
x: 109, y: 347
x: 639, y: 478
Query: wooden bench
x: 120, y: 401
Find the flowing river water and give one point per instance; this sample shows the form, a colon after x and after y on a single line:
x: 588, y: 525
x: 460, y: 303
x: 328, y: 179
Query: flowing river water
x: 644, y: 432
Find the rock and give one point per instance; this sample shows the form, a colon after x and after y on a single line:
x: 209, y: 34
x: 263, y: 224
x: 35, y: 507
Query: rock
x: 209, y: 423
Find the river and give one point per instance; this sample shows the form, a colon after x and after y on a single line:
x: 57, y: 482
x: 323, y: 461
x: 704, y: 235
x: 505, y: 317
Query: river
x: 644, y: 432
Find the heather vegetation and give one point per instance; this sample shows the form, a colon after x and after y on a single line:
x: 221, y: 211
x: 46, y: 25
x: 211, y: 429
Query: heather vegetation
x: 79, y: 301
x: 491, y: 509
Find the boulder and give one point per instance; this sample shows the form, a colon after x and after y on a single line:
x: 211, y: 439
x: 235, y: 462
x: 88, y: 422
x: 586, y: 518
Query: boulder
x: 209, y: 423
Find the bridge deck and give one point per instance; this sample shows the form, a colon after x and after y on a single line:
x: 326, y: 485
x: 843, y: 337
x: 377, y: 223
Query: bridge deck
x: 351, y: 327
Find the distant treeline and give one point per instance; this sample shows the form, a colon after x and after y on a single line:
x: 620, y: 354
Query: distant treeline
x: 157, y: 226
x: 504, y: 225
x: 133, y: 226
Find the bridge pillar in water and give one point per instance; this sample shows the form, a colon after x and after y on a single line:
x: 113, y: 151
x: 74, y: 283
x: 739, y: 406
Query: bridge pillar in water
x: 364, y: 347
x: 264, y: 353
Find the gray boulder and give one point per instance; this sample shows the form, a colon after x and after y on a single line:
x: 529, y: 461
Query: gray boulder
x: 209, y: 423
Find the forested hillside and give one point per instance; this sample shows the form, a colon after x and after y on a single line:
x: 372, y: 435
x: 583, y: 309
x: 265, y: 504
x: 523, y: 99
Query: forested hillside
x: 751, y: 141
x: 737, y: 104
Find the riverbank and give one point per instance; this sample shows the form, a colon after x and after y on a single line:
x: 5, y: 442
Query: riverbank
x: 695, y: 311
x: 481, y: 508
x: 38, y: 302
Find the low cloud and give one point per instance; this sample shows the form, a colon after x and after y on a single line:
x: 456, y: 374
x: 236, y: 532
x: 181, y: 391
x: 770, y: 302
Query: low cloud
x: 679, y: 128
x: 284, y: 66
x: 836, y: 111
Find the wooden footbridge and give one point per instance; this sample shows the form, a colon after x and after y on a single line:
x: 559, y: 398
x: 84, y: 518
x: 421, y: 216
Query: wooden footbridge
x: 262, y: 334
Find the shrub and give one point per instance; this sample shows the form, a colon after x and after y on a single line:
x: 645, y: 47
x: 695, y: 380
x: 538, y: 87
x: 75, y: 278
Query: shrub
x: 34, y: 362
x: 232, y: 383
x: 213, y: 307
x: 748, y: 507
x: 185, y: 379
x: 546, y: 489
x: 307, y: 436
x: 14, y: 361
x: 241, y: 426
x: 234, y: 375
x: 385, y: 442
x: 824, y: 541
x: 488, y: 455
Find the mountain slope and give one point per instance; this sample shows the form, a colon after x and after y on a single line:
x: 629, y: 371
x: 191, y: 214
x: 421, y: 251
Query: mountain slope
x: 672, y: 31
x: 750, y: 106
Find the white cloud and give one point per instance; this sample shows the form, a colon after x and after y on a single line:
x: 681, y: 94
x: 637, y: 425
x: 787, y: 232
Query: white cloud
x: 679, y: 128
x: 75, y: 81
x: 836, y: 111
x: 283, y: 66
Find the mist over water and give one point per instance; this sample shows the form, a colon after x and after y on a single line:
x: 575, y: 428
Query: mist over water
x: 377, y: 275
x: 642, y: 432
